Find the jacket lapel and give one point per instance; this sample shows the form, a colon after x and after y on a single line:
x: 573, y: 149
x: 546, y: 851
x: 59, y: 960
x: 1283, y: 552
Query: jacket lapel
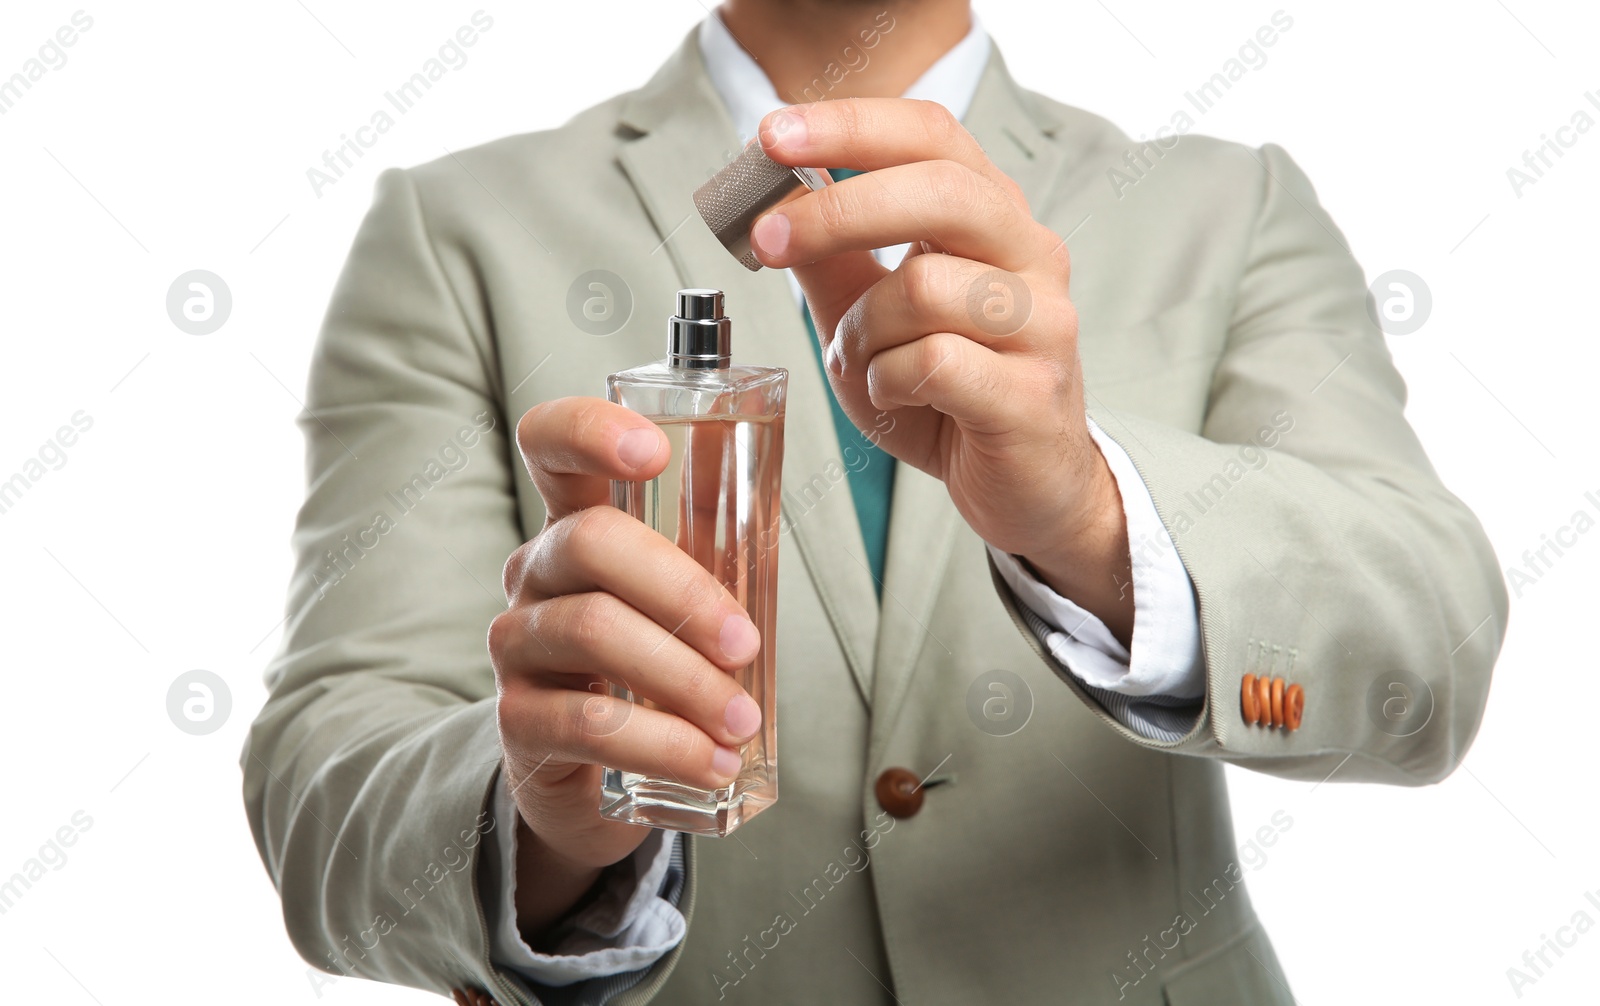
x: 685, y: 135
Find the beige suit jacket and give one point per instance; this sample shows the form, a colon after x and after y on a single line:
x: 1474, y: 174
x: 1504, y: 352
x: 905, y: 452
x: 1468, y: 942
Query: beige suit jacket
x: 1071, y: 861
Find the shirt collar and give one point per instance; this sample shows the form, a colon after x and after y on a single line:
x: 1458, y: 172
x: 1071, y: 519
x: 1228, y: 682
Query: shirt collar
x: 748, y: 94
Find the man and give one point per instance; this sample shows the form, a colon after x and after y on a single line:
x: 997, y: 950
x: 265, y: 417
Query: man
x: 1112, y: 539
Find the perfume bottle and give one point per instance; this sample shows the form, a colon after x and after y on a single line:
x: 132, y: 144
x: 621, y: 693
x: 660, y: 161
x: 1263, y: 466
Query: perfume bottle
x: 717, y: 500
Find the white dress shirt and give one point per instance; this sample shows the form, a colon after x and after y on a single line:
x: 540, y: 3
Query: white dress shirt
x: 1154, y: 689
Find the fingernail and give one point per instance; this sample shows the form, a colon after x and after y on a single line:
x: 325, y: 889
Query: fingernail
x: 742, y: 716
x: 834, y: 357
x: 739, y: 638
x: 726, y: 762
x: 771, y: 234
x: 637, y: 446
x: 788, y: 131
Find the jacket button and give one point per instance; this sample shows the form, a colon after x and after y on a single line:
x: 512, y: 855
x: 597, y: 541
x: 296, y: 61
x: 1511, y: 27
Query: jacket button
x: 1271, y: 702
x: 899, y: 792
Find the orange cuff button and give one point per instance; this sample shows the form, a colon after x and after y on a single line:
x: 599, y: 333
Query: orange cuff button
x: 1271, y: 702
x: 1294, y: 706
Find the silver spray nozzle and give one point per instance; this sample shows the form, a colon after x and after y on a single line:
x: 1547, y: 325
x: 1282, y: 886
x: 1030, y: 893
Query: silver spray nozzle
x: 699, y: 336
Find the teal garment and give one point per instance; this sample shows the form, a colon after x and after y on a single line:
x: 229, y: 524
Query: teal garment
x: 872, y: 486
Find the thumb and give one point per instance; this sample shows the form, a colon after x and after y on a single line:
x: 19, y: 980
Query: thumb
x: 831, y: 285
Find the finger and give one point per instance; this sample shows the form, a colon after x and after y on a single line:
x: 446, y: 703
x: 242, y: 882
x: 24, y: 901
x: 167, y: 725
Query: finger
x: 830, y: 284
x: 569, y: 640
x: 974, y: 385
x: 941, y: 201
x: 598, y: 729
x: 935, y: 293
x: 574, y: 447
x: 872, y: 133
x: 604, y: 549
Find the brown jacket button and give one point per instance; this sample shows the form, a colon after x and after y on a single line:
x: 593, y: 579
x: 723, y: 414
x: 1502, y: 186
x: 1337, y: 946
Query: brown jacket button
x: 899, y: 792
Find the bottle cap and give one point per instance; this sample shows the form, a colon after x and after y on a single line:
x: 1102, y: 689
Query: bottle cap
x: 746, y: 187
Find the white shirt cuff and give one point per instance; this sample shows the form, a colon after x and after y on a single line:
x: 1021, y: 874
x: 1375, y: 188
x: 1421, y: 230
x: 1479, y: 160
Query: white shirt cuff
x: 628, y: 927
x: 1167, y: 659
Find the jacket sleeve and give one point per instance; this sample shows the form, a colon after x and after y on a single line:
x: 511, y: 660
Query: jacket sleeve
x: 368, y: 774
x: 631, y: 922
x: 1322, y: 546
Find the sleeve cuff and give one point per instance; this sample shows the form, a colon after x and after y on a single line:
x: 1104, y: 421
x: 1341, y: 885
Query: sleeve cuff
x: 630, y: 926
x: 1166, y: 658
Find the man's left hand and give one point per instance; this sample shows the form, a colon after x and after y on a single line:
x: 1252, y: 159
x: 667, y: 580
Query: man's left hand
x: 971, y: 342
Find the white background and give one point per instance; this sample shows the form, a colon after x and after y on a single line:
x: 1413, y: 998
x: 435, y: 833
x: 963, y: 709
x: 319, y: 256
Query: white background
x: 177, y: 137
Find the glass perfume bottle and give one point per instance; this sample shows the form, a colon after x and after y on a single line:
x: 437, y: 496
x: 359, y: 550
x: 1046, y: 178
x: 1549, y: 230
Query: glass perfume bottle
x: 717, y: 500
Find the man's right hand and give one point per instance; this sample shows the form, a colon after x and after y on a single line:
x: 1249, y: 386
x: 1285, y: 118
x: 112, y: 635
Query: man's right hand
x: 599, y: 598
